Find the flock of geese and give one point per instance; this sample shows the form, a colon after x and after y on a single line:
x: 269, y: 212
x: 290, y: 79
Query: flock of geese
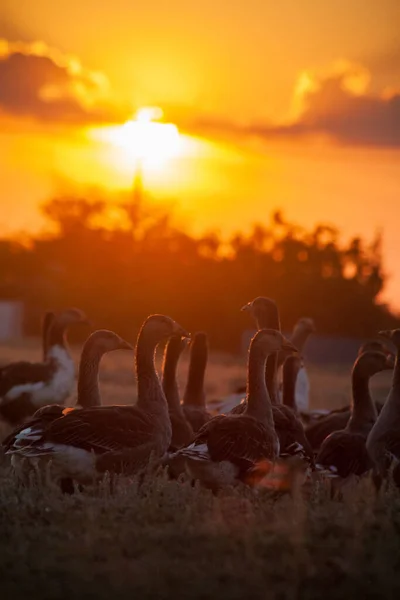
x: 256, y: 437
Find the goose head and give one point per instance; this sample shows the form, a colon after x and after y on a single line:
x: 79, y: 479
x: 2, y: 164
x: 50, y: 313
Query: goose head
x: 392, y: 335
x: 108, y: 341
x: 72, y: 316
x: 374, y: 346
x: 264, y: 311
x: 270, y: 341
x: 159, y: 328
x: 306, y: 324
x: 373, y: 362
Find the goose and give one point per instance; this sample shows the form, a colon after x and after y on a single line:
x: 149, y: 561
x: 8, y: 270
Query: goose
x: 266, y: 315
x: 194, y: 399
x: 324, y: 423
x: 288, y: 426
x: 228, y: 447
x: 344, y: 452
x: 47, y: 322
x: 182, y: 431
x: 83, y: 444
x: 25, y: 386
x: 98, y: 343
x: 383, y: 442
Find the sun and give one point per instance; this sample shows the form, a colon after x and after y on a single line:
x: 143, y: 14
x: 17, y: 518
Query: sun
x: 144, y: 140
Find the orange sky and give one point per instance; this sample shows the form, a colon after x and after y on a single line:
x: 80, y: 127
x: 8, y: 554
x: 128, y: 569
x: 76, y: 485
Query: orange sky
x: 292, y: 105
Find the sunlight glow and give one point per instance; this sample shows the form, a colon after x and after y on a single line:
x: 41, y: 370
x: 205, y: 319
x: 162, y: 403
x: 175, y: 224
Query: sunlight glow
x: 144, y: 139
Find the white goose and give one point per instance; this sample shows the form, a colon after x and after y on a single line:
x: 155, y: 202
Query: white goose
x: 99, y: 343
x: 25, y: 387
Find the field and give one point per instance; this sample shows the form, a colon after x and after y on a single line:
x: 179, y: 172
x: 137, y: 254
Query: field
x: 169, y: 540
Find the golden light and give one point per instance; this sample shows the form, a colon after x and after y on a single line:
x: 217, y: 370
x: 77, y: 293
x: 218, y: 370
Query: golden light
x: 144, y: 139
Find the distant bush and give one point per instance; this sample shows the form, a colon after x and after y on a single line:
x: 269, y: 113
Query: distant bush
x: 121, y: 262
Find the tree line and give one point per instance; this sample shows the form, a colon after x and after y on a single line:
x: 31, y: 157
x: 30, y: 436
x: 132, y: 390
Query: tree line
x: 123, y: 261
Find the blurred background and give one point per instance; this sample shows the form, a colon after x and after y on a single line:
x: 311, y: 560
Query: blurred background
x: 183, y: 158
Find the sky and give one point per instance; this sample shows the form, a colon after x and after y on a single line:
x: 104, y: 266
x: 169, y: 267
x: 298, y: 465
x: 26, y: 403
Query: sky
x: 290, y: 105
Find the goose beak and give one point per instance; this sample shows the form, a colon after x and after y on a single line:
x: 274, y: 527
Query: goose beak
x: 178, y: 330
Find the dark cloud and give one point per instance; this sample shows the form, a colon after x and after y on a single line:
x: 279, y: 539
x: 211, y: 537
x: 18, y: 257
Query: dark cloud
x: 335, y: 105
x: 37, y: 84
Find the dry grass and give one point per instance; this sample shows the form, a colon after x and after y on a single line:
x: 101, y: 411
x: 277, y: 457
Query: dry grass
x: 169, y: 540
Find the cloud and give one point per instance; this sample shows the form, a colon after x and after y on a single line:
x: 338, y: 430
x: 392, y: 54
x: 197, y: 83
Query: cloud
x: 40, y: 82
x: 335, y: 103
x: 338, y: 104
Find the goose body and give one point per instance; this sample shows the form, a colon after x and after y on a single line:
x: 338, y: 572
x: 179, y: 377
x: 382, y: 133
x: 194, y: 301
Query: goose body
x: 344, y: 453
x: 321, y: 423
x: 228, y: 447
x: 194, y: 399
x: 383, y: 442
x: 83, y: 444
x: 25, y: 387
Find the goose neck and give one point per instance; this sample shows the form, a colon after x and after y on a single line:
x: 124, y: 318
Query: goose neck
x: 258, y: 398
x: 88, y: 378
x: 289, y: 382
x: 271, y: 378
x: 194, y: 393
x: 170, y: 383
x: 300, y: 337
x: 149, y: 389
x: 57, y: 337
x: 363, y: 411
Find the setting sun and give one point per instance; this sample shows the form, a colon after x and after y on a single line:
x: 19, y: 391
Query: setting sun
x: 144, y: 139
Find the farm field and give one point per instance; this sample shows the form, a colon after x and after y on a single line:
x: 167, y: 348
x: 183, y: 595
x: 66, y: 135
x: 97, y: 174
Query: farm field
x: 166, y: 539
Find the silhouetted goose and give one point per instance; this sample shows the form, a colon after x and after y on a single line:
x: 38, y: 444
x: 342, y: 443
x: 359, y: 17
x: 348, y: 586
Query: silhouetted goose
x: 383, y: 443
x: 99, y: 343
x: 194, y: 399
x: 227, y: 447
x: 25, y: 386
x: 182, y: 431
x: 266, y: 316
x: 344, y: 453
x: 83, y: 444
x: 323, y: 423
x: 288, y: 426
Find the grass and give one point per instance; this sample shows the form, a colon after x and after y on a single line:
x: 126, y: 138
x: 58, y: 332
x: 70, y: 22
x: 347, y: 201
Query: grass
x: 166, y: 539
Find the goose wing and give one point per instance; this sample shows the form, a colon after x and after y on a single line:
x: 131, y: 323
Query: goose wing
x: 23, y: 373
x: 100, y: 429
x: 242, y: 441
x: 318, y: 431
x: 292, y: 437
x: 42, y: 417
x: 344, y: 453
